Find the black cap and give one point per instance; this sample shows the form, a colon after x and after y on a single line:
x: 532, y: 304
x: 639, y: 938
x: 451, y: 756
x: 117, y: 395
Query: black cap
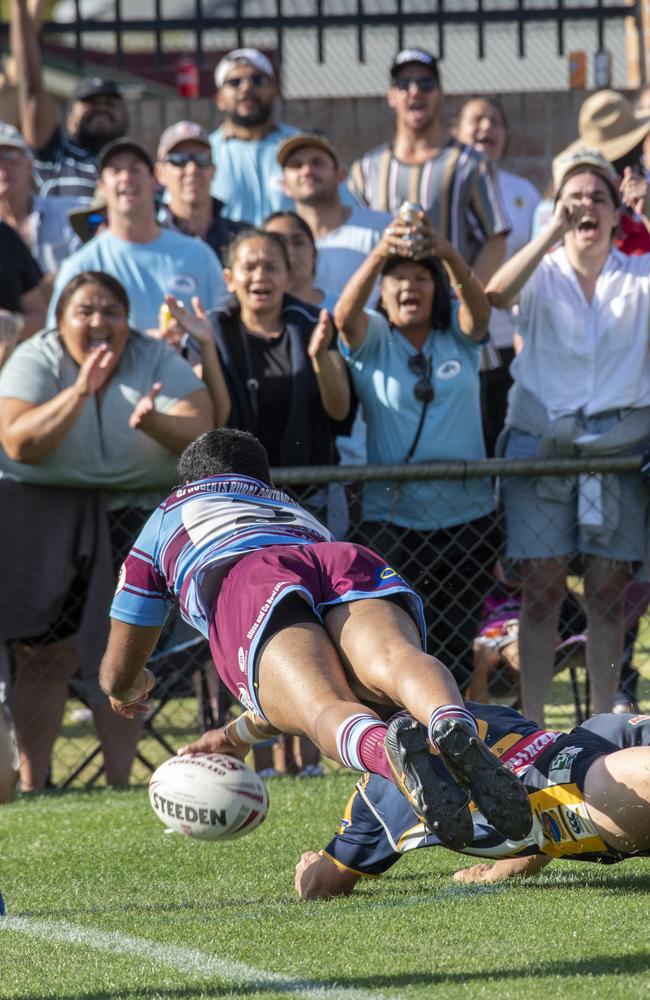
x: 93, y: 86
x: 123, y: 145
x: 421, y: 56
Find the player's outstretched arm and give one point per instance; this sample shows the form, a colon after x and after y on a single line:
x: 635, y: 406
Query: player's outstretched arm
x: 235, y: 738
x: 318, y: 878
x: 123, y: 675
x: 502, y: 870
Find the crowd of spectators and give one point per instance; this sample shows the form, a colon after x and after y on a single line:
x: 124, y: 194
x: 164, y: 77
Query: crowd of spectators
x: 247, y: 278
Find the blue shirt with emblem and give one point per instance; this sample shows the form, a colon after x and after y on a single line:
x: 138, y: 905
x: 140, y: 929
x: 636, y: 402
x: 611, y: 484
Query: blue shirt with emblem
x: 171, y: 264
x: 248, y: 178
x: 452, y: 428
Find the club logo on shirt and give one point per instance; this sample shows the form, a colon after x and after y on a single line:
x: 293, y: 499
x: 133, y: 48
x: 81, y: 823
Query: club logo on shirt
x: 551, y: 827
x: 241, y: 660
x: 448, y: 369
x: 182, y: 284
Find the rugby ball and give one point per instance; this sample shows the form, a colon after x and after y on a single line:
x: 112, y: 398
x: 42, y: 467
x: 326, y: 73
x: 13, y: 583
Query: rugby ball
x: 208, y: 796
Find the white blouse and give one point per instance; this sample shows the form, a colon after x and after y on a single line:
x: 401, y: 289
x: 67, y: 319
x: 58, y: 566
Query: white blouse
x: 580, y: 355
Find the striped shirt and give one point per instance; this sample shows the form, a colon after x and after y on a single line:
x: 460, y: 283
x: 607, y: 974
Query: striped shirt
x: 456, y: 187
x: 63, y: 168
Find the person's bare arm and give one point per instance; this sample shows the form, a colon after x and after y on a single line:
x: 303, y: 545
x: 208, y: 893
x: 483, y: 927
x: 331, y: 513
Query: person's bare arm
x: 30, y: 432
x: 178, y: 426
x: 317, y: 877
x: 235, y: 738
x: 33, y: 310
x: 349, y: 315
x: 200, y: 328
x: 502, y: 870
x: 329, y: 368
x: 489, y: 258
x: 123, y: 675
x: 504, y: 287
x: 474, y: 311
x: 37, y: 110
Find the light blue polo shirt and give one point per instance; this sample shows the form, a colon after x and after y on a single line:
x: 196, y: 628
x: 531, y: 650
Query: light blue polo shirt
x: 172, y: 264
x: 248, y: 178
x: 452, y: 428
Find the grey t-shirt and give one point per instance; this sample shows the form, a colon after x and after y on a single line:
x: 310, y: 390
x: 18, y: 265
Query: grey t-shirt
x: 101, y: 450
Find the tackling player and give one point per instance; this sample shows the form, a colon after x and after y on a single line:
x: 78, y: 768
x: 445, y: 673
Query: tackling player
x: 589, y: 791
x: 315, y: 637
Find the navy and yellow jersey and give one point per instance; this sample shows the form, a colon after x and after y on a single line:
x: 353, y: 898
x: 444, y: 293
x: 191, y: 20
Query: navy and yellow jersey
x: 378, y: 824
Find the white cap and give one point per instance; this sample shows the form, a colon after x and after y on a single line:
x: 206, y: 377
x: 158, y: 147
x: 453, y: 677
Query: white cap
x: 252, y: 56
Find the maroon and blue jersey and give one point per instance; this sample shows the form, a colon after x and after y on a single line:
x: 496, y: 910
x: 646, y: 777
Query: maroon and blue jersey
x: 379, y: 826
x: 194, y: 536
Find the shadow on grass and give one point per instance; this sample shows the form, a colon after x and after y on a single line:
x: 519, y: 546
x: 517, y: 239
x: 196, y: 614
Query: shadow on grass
x: 592, y: 967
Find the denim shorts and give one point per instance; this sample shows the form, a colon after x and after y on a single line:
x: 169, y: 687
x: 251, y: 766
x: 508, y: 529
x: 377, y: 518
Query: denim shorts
x: 538, y: 527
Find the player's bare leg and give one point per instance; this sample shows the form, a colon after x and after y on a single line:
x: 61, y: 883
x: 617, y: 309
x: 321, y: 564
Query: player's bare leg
x: 617, y: 793
x: 303, y: 688
x: 379, y: 646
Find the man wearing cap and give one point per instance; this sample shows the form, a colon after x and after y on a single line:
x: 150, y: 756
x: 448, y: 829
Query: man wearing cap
x: 185, y: 170
x: 65, y: 156
x: 453, y: 183
x: 344, y: 235
x: 248, y: 179
x: 42, y: 223
x: 150, y: 262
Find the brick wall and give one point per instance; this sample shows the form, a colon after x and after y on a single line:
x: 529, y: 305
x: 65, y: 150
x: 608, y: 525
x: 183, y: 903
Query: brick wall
x: 540, y: 124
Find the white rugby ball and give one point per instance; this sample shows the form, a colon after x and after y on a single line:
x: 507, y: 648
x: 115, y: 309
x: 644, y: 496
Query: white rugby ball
x: 209, y: 796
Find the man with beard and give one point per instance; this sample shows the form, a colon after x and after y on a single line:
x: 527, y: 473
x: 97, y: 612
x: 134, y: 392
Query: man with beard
x: 248, y: 179
x: 65, y: 156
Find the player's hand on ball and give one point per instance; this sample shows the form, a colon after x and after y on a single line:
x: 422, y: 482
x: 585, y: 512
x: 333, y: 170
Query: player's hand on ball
x: 134, y: 701
x: 214, y: 741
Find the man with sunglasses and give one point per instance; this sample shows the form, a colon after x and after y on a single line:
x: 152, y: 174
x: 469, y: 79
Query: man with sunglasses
x: 244, y: 147
x: 185, y: 170
x: 452, y: 182
x: 150, y: 262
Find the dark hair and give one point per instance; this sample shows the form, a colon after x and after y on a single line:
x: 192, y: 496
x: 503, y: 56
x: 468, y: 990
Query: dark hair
x: 254, y: 233
x: 105, y: 281
x: 301, y: 225
x: 441, y: 307
x: 221, y: 452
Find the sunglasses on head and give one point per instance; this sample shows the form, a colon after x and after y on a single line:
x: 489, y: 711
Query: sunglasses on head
x: 181, y: 160
x: 420, y: 365
x: 426, y: 84
x: 255, y: 80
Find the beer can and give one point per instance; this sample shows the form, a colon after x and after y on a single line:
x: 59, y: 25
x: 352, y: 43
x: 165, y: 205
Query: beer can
x: 409, y: 212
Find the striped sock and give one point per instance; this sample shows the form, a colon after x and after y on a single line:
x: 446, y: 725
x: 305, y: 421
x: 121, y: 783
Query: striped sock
x: 450, y: 712
x: 360, y: 743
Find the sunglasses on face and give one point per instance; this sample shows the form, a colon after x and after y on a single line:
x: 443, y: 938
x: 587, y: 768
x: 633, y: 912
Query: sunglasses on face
x: 181, y: 160
x: 255, y: 80
x: 420, y: 365
x: 426, y: 85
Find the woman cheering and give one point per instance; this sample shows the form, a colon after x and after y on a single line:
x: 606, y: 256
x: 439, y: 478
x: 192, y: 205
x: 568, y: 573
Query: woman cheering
x: 414, y: 366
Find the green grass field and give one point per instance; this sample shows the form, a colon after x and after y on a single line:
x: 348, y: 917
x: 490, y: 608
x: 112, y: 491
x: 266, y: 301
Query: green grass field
x: 101, y: 903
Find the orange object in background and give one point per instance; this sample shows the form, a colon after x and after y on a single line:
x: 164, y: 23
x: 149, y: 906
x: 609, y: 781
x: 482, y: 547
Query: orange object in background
x: 577, y: 70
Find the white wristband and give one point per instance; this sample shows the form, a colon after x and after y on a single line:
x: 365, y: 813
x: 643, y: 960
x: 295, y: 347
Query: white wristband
x: 244, y: 733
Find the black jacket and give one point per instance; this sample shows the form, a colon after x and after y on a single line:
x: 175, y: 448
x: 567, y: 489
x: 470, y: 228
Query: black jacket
x: 308, y: 437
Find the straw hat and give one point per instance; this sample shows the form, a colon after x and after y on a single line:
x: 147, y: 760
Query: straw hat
x: 607, y: 123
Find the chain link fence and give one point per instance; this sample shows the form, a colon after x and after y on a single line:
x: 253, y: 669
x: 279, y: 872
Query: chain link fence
x: 471, y: 591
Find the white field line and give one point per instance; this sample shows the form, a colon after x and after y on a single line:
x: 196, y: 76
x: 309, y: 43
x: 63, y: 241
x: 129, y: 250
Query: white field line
x: 192, y: 961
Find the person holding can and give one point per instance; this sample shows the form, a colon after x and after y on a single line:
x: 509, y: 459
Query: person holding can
x: 414, y: 363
